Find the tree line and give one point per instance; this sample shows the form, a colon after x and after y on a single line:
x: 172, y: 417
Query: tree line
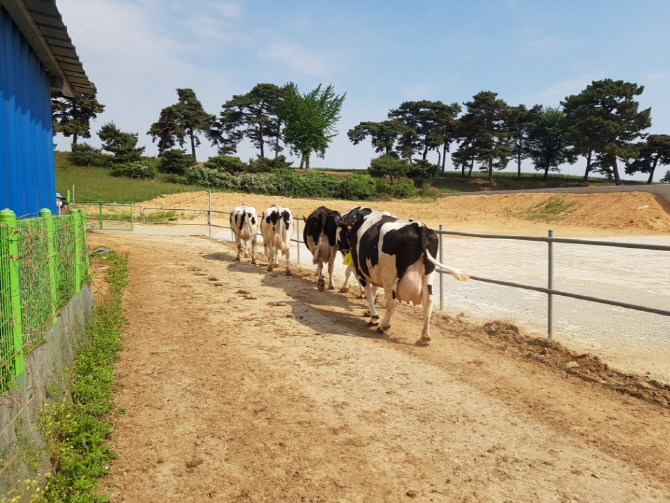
x: 603, y: 124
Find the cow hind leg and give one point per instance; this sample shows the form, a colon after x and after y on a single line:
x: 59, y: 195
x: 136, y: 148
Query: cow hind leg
x: 331, y: 265
x: 238, y: 242
x: 287, y: 253
x: 320, y: 282
x: 427, y: 295
x: 253, y: 250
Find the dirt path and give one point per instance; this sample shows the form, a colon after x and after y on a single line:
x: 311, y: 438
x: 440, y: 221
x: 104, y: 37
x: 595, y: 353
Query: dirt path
x: 239, y: 385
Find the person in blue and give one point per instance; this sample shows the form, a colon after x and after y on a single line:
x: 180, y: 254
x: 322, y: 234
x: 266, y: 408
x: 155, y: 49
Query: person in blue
x: 61, y: 204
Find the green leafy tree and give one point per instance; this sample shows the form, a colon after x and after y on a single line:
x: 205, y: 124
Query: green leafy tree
x: 383, y: 135
x: 387, y: 165
x: 655, y: 151
x: 175, y: 162
x: 184, y: 120
x: 309, y: 119
x: 519, y: 122
x: 254, y: 116
x: 547, y: 143
x: 607, y: 116
x: 225, y: 163
x: 429, y: 126
x: 484, y: 128
x: 72, y: 116
x: 122, y: 145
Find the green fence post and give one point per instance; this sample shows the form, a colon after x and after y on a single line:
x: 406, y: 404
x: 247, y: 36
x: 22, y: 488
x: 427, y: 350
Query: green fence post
x: 100, y: 204
x: 46, y: 214
x: 84, y: 240
x: 132, y: 216
x: 76, y: 223
x: 8, y: 218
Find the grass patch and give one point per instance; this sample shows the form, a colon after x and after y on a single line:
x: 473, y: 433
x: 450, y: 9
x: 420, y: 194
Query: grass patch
x: 551, y: 209
x: 76, y: 426
x: 97, y: 184
x: 160, y: 216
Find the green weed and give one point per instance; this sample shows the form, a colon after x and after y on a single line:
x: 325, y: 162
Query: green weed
x: 76, y: 426
x: 551, y: 209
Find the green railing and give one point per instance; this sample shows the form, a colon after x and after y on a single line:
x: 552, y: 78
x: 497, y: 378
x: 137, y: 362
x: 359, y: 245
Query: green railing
x: 43, y: 264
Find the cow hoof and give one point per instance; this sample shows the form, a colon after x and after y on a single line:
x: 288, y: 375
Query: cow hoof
x: 321, y: 285
x: 381, y: 329
x: 236, y: 259
x: 344, y: 290
x: 253, y: 262
x: 424, y: 341
x: 373, y: 323
x: 269, y: 269
x: 288, y: 273
x: 331, y: 287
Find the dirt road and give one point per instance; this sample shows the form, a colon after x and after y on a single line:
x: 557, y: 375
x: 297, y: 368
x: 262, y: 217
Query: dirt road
x: 239, y: 385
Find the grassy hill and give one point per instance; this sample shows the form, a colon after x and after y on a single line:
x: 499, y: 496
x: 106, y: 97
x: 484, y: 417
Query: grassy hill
x: 96, y: 184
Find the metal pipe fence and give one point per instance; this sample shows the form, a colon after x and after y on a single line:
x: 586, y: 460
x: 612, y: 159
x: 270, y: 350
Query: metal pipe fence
x: 549, y: 289
x: 550, y: 240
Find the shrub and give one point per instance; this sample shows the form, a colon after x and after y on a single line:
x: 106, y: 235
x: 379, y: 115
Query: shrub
x: 196, y: 175
x: 404, y: 188
x: 357, y: 186
x: 265, y: 165
x: 84, y: 154
x: 422, y: 168
x: 666, y: 178
x: 225, y: 164
x: 175, y: 162
x: 387, y: 165
x: 137, y: 169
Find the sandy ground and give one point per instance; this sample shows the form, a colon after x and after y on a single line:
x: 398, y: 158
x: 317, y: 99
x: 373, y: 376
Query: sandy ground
x: 239, y: 385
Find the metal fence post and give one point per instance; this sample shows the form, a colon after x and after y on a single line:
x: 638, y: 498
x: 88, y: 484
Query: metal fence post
x: 441, y: 275
x: 550, y: 286
x: 100, y: 214
x: 45, y: 213
x: 132, y: 216
x: 297, y: 219
x: 209, y: 214
x: 12, y: 288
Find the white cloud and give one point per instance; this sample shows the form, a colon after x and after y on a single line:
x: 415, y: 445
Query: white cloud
x: 552, y: 96
x: 300, y: 59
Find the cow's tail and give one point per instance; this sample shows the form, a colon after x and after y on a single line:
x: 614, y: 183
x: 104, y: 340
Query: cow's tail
x: 456, y: 273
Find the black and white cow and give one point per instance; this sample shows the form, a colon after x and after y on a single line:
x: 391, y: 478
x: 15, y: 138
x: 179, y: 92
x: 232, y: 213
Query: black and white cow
x: 243, y: 221
x: 319, y: 237
x: 397, y: 255
x: 345, y: 248
x: 277, y: 230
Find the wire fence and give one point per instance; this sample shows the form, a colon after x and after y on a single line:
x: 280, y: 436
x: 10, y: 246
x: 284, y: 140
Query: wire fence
x: 43, y: 264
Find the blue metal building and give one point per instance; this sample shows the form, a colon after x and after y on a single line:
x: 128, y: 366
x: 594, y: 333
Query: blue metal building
x: 36, y: 55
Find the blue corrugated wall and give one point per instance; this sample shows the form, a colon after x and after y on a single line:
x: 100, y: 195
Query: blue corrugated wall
x: 27, y: 175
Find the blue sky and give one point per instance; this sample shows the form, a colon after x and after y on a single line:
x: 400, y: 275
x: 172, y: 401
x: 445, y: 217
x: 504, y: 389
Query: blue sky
x: 380, y: 53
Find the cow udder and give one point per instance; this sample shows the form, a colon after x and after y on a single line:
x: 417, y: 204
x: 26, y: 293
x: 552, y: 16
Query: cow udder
x: 410, y: 287
x: 324, y: 248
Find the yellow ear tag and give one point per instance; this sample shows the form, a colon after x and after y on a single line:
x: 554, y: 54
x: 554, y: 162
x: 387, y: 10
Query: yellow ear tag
x: 347, y: 259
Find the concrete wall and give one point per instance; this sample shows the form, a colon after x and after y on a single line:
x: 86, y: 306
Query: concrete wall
x: 661, y: 190
x: 22, y: 450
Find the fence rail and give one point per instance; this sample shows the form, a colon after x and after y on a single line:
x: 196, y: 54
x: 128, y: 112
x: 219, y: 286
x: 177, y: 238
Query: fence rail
x: 43, y: 263
x: 550, y: 240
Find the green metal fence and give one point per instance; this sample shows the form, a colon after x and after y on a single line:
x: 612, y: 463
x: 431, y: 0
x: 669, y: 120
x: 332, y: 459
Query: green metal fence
x: 43, y: 263
x: 108, y: 216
